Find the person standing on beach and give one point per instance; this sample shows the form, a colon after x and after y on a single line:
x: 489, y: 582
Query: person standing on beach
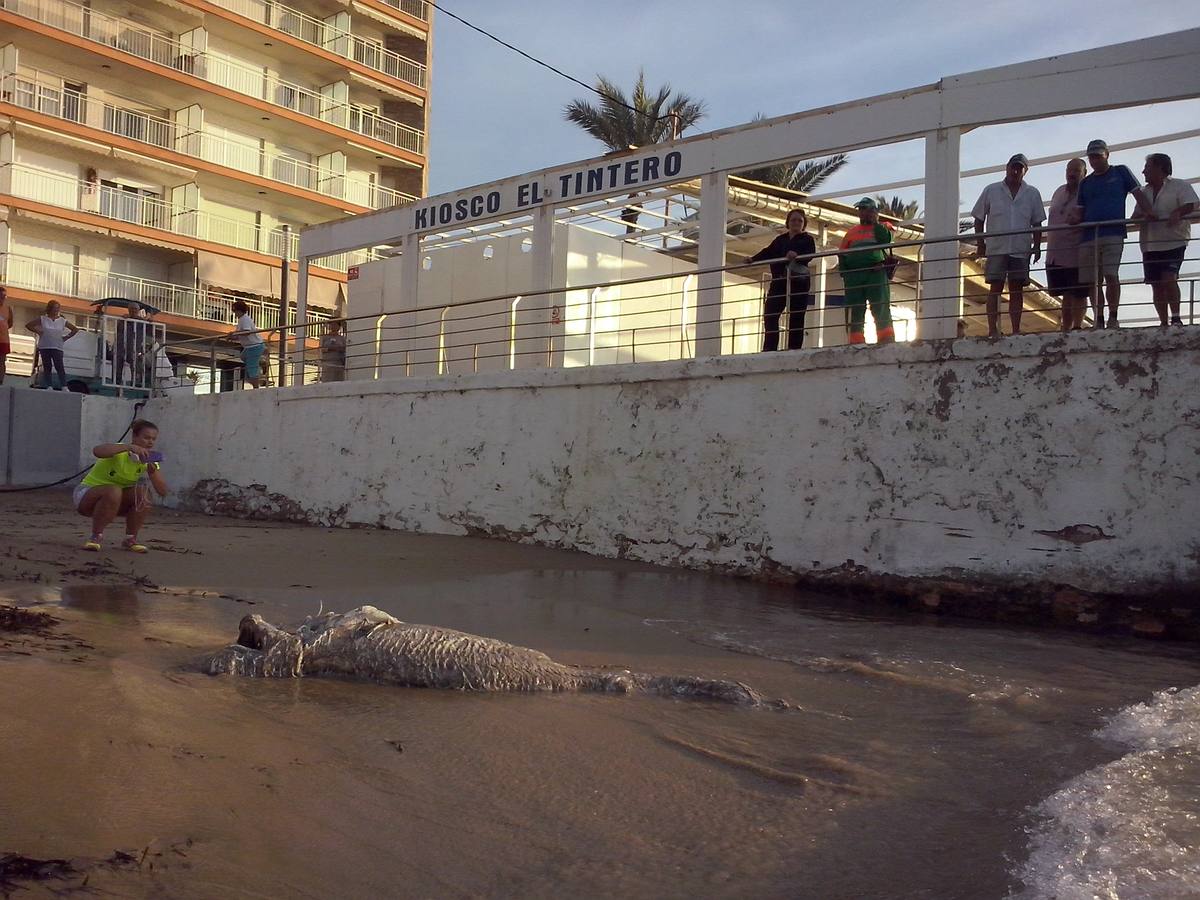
x: 53, y: 331
x: 1164, y: 239
x: 251, y: 341
x: 1062, y: 250
x: 6, y: 324
x: 113, y: 487
x: 790, y: 281
x: 1102, y: 199
x: 864, y: 278
x: 1010, y: 205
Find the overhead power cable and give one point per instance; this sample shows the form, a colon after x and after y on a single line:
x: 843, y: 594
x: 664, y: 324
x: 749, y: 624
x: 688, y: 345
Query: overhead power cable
x: 557, y: 71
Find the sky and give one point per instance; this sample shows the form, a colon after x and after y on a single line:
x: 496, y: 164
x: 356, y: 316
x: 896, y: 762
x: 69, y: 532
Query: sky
x: 494, y: 114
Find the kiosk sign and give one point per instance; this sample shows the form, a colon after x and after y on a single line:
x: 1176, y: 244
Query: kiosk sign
x: 520, y: 197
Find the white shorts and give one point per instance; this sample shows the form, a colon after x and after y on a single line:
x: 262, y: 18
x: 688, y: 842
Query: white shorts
x: 79, y: 492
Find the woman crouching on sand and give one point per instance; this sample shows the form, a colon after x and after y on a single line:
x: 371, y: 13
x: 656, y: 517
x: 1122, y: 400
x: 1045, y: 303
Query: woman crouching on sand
x: 113, y: 486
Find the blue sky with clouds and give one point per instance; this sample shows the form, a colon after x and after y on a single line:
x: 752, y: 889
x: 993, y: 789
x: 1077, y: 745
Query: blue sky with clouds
x: 495, y: 114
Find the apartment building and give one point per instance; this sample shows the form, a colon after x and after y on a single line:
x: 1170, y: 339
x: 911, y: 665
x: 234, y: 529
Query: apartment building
x: 156, y: 149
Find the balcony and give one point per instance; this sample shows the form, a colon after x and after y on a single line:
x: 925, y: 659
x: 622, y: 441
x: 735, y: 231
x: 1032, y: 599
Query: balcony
x: 41, y: 94
x: 320, y: 34
x: 93, y: 284
x: 137, y: 40
x: 418, y: 9
x: 140, y: 208
x: 123, y: 204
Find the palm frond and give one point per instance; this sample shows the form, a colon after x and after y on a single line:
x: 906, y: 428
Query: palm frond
x: 638, y: 119
x: 898, y: 207
x: 804, y: 177
x: 809, y: 176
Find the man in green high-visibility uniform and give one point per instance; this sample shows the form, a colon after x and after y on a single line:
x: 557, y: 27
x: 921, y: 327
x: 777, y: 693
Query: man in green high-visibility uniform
x: 863, y: 275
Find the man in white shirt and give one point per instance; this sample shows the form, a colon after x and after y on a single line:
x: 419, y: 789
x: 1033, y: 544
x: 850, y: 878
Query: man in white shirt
x: 1010, y: 205
x: 1164, y: 238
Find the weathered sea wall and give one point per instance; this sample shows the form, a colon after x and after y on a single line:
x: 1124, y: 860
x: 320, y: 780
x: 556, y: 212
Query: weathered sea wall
x: 1028, y: 476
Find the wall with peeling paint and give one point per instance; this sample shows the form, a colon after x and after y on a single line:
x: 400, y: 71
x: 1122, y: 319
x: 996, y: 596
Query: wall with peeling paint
x: 1059, y: 459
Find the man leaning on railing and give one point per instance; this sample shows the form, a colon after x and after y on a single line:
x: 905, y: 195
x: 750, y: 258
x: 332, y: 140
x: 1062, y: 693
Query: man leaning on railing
x: 1102, y: 199
x: 1006, y: 207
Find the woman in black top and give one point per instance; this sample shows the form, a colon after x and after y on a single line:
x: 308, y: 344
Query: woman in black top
x: 789, y: 281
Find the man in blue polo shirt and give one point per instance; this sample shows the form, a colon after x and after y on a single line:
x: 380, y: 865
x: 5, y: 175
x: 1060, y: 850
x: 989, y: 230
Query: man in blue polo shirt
x: 1102, y: 198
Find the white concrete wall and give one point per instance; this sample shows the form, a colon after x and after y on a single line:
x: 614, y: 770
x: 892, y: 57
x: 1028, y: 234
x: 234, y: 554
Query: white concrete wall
x: 48, y: 435
x: 455, y: 334
x: 102, y: 420
x: 1069, y: 460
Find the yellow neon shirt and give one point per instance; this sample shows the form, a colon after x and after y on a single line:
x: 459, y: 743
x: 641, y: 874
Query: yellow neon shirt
x: 123, y: 470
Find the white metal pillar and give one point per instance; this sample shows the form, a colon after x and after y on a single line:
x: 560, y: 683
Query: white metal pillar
x: 301, y: 333
x: 410, y: 270
x: 822, y: 282
x: 714, y: 209
x: 395, y: 347
x: 538, y: 331
x: 941, y: 300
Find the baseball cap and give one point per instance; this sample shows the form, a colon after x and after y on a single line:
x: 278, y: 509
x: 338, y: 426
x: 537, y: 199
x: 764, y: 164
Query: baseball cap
x: 1097, y: 146
x: 866, y: 203
x: 1019, y: 158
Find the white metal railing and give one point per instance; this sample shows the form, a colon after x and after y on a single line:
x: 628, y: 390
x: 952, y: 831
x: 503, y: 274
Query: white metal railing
x: 418, y: 9
x: 656, y: 318
x: 139, y: 41
x: 135, y: 345
x: 314, y: 31
x: 208, y: 304
x: 41, y: 92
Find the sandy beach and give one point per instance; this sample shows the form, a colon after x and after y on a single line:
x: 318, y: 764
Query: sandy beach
x: 906, y: 766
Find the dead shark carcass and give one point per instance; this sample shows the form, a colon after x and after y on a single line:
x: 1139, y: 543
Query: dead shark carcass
x: 369, y: 644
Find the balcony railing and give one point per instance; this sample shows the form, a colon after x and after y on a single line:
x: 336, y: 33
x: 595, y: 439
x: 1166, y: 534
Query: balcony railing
x: 321, y: 34
x: 66, y: 280
x: 140, y: 208
x: 418, y: 9
x: 155, y: 47
x: 41, y: 93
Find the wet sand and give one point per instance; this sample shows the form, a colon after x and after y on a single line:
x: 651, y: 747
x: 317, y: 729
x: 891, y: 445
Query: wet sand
x: 904, y: 770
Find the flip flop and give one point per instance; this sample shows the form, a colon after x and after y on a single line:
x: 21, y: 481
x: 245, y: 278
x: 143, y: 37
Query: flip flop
x: 133, y: 546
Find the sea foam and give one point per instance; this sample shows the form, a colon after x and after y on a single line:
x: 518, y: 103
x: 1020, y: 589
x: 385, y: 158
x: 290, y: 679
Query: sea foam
x: 1129, y: 828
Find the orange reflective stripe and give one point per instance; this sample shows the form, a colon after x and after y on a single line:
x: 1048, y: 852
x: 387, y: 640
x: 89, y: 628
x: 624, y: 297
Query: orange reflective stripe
x: 859, y: 234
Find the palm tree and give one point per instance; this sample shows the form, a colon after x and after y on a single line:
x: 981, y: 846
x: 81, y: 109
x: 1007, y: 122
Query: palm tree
x: 900, y: 209
x: 622, y: 122
x: 804, y: 177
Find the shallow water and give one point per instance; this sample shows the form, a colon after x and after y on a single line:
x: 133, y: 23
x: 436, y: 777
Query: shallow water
x: 921, y: 759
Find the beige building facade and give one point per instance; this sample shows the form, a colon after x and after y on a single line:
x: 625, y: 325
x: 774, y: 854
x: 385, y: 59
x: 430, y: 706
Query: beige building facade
x: 170, y: 151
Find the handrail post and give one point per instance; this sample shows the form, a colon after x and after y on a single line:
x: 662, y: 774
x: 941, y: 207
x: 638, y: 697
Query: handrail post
x: 301, y: 334
x: 285, y: 267
x: 714, y: 209
x: 941, y: 307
